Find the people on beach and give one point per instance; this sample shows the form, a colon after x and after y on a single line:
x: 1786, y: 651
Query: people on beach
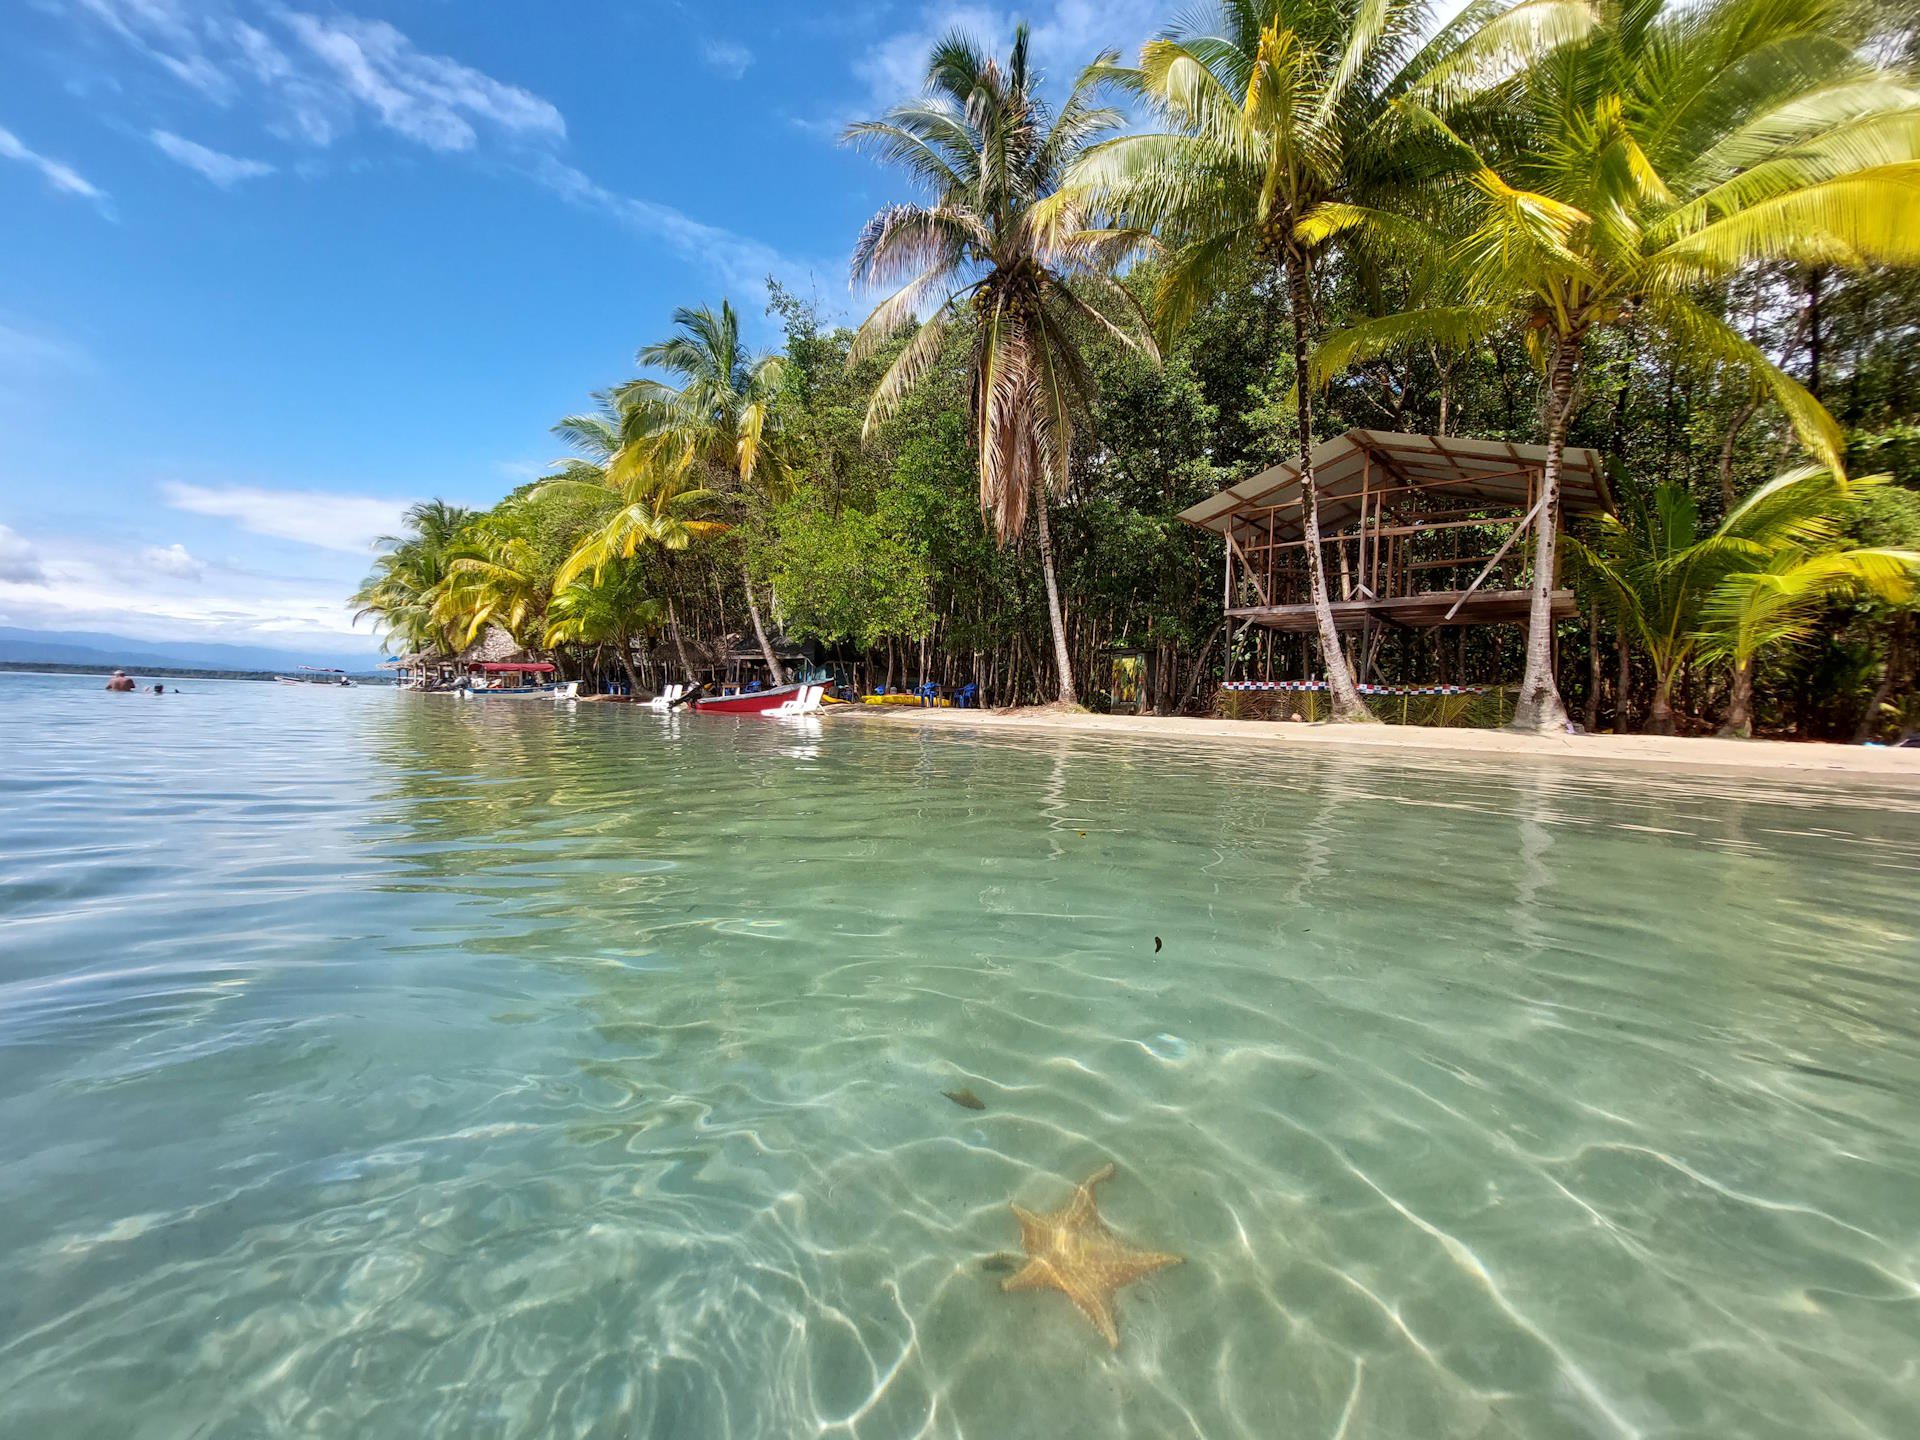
x: 121, y: 682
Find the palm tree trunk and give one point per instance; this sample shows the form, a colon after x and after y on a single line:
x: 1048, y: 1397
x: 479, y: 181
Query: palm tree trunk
x: 1347, y: 704
x: 679, y: 645
x: 624, y: 646
x: 1539, y: 710
x: 760, y: 631
x: 1660, y: 711
x: 1739, y: 724
x: 1062, y: 660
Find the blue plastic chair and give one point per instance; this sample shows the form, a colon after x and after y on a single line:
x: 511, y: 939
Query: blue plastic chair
x: 928, y: 692
x: 966, y: 696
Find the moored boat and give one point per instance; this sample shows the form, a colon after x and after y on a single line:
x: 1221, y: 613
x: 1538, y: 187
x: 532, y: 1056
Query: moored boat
x: 315, y: 675
x: 800, y: 698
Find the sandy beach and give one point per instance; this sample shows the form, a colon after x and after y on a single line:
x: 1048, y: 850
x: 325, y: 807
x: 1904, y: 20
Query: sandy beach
x: 1803, y: 760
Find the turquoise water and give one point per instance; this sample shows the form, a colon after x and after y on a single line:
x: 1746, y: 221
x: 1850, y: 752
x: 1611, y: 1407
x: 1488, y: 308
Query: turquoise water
x: 380, y: 1065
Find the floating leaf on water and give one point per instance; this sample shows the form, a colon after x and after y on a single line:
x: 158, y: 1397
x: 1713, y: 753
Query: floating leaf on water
x: 965, y: 1099
x: 1156, y: 944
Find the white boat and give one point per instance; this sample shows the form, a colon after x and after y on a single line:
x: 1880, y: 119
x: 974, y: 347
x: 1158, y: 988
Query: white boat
x: 315, y: 675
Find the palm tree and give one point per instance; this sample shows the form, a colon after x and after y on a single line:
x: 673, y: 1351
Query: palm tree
x: 1759, y: 579
x: 657, y: 505
x: 1281, y: 135
x: 610, y: 607
x: 1639, y: 566
x: 1029, y: 283
x: 400, y: 592
x: 1774, y: 594
x: 495, y: 578
x: 1663, y: 151
x: 719, y: 423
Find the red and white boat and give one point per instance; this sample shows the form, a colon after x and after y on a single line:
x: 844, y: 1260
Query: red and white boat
x: 800, y: 698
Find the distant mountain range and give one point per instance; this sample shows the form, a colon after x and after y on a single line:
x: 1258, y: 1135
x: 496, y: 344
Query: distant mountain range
x: 50, y: 647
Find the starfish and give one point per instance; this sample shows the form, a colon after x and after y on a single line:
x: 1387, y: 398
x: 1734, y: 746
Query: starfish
x: 1073, y: 1251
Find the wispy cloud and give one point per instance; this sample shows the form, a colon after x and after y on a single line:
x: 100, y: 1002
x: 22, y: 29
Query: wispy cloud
x: 317, y: 76
x: 726, y: 57
x: 61, y: 177
x: 226, y: 171
x: 173, y: 560
x: 329, y: 520
x: 430, y: 99
x: 19, y: 564
x: 738, y: 259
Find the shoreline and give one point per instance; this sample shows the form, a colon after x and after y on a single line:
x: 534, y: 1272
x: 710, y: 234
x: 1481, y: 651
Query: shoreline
x: 1802, y: 759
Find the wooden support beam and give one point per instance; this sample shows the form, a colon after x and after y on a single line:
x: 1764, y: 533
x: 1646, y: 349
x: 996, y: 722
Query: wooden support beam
x: 1518, y: 530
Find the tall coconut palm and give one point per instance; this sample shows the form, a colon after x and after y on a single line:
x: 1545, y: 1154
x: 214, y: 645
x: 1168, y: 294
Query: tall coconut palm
x: 987, y: 151
x: 1668, y: 148
x: 719, y: 423
x: 1282, y: 138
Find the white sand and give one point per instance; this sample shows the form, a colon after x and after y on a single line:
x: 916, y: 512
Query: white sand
x: 1882, y: 766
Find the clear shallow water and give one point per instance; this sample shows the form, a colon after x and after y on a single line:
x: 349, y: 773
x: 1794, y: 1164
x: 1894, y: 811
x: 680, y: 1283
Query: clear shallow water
x: 387, y: 1066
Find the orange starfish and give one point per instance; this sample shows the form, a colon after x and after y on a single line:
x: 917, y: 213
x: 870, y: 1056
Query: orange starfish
x: 1072, y: 1250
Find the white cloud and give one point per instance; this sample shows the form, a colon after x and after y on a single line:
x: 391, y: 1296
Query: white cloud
x: 173, y: 560
x: 727, y: 57
x: 63, y: 178
x: 19, y: 565
x: 331, y: 521
x: 168, y: 34
x: 738, y: 259
x: 85, y: 584
x: 430, y: 99
x: 225, y: 171
x: 313, y: 75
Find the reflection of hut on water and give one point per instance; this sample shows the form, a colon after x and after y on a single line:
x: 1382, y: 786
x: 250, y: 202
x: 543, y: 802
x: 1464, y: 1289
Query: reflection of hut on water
x: 1418, y: 532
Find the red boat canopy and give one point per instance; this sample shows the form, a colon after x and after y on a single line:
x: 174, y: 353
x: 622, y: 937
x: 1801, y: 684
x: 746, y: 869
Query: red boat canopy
x: 537, y: 667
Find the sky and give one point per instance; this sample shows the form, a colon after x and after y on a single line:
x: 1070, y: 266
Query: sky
x: 269, y: 272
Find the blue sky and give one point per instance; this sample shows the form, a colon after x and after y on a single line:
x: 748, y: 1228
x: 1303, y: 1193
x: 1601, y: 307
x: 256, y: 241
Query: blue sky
x: 269, y: 271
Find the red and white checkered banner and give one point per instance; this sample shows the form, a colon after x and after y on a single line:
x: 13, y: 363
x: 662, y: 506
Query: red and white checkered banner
x: 1299, y: 685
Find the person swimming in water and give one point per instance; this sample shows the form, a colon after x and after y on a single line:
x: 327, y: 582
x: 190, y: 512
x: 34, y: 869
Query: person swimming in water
x: 121, y: 683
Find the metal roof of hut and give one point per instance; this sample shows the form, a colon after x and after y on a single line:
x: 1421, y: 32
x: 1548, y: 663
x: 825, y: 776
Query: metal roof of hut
x: 1456, y: 466
x: 1405, y: 520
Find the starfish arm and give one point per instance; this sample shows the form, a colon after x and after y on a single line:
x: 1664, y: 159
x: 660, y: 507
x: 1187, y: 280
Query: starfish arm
x: 1035, y: 1275
x: 1127, y: 1266
x: 1093, y: 1304
x: 1081, y: 1209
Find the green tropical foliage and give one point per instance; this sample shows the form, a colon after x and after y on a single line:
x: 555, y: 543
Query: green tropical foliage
x: 1677, y: 234
x: 1631, y: 168
x: 1758, y: 580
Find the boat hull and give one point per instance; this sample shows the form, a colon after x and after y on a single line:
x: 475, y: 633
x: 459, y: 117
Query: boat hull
x: 800, y: 699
